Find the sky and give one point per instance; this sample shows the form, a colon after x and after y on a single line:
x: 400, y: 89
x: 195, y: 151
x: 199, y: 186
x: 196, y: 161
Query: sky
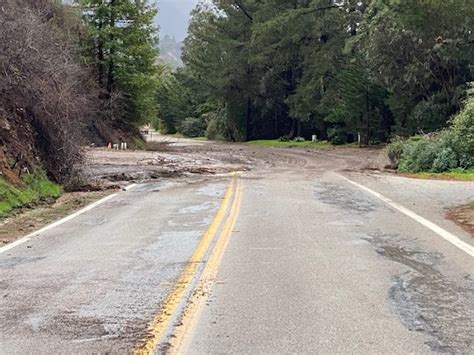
x: 173, y: 17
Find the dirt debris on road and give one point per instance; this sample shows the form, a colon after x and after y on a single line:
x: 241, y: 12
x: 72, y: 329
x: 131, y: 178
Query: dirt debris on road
x: 464, y: 216
x: 184, y: 158
x: 107, y: 170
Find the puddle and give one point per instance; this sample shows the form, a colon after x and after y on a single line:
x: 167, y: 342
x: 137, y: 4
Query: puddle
x: 204, y: 222
x: 203, y: 207
x: 213, y: 189
x: 346, y: 199
x: 426, y: 300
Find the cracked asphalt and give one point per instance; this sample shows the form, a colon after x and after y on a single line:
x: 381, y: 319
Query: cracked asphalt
x: 314, y: 264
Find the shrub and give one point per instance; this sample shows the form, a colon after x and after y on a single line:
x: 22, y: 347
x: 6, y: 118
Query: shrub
x: 462, y: 135
x: 212, y: 130
x: 445, y: 160
x: 418, y: 156
x: 193, y: 127
x: 395, y: 151
x: 337, y: 135
x: 451, y: 149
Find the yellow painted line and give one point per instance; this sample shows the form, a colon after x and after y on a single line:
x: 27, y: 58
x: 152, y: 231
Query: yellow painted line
x: 183, y: 334
x: 161, y: 322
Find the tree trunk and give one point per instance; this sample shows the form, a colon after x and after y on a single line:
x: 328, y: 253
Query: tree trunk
x: 110, y: 75
x: 367, y: 113
x: 100, y: 57
x: 248, y: 118
x: 291, y: 135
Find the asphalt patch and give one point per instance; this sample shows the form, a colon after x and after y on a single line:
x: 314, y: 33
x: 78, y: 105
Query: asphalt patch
x: 425, y: 299
x: 350, y: 200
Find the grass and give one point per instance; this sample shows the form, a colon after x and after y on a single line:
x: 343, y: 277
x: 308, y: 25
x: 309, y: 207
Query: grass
x: 458, y: 174
x: 276, y: 143
x: 36, y: 188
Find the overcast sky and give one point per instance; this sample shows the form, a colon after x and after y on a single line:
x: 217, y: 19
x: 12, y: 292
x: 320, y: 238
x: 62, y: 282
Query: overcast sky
x: 173, y: 17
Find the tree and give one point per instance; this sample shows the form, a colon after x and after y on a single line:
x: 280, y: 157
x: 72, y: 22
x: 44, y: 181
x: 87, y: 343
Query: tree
x: 424, y: 64
x: 336, y: 68
x: 124, y: 52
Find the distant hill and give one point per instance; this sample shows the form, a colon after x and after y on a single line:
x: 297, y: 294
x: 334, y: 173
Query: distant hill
x: 173, y: 17
x: 170, y: 51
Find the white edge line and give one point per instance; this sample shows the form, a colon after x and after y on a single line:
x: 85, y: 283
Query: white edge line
x: 451, y: 238
x: 61, y: 221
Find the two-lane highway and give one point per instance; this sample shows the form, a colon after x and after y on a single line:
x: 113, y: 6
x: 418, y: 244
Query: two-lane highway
x: 286, y: 259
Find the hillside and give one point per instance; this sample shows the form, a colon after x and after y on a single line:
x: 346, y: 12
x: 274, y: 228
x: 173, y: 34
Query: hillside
x: 170, y: 51
x: 173, y: 16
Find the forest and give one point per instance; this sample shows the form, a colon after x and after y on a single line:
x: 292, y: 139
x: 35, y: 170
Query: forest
x: 275, y: 69
x: 378, y: 71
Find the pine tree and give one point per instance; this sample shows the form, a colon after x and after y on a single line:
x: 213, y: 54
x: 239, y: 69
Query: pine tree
x: 124, y: 43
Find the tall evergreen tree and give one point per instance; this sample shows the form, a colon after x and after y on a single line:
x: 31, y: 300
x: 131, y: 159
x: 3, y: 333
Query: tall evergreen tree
x: 124, y: 47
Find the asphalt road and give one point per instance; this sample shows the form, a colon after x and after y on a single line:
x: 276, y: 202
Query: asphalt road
x: 290, y: 258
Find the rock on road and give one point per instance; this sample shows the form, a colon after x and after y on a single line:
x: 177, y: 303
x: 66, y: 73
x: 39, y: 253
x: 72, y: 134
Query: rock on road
x: 297, y: 260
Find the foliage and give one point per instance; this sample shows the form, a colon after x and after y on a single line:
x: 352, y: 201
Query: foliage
x: 193, y: 127
x: 274, y: 68
x: 450, y: 149
x: 455, y: 174
x: 277, y: 143
x: 123, y: 44
x: 36, y: 188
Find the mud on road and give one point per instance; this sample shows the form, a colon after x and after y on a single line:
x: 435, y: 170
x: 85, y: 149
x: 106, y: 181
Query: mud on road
x: 167, y: 158
x: 184, y: 160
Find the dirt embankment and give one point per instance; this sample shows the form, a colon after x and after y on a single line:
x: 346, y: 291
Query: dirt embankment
x: 18, y: 146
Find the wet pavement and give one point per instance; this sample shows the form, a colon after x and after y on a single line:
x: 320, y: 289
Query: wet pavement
x: 313, y: 265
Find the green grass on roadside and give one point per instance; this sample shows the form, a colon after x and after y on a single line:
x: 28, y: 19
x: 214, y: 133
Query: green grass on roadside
x: 36, y: 188
x: 458, y: 174
x: 276, y: 143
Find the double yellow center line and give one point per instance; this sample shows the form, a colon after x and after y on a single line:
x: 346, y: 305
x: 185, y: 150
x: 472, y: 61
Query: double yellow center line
x: 162, y: 321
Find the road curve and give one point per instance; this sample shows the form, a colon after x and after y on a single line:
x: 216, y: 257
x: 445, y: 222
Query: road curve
x: 283, y: 259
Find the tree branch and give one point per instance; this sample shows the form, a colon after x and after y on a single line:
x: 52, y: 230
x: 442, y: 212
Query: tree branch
x: 242, y: 8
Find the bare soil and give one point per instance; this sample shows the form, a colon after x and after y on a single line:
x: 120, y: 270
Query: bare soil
x: 464, y: 216
x: 168, y: 158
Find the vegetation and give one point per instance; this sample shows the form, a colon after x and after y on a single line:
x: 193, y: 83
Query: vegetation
x: 449, y: 150
x: 254, y: 70
x: 339, y: 69
x: 170, y: 51
x: 47, y: 93
x: 70, y: 75
x: 35, y: 188
x: 122, y: 47
x: 457, y: 174
x: 279, y: 143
